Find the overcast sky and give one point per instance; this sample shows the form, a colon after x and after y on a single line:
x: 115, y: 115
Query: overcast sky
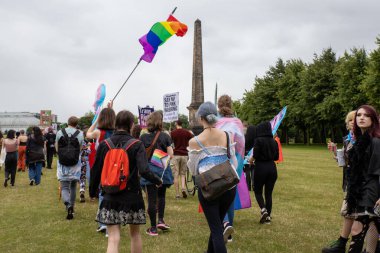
x: 54, y: 54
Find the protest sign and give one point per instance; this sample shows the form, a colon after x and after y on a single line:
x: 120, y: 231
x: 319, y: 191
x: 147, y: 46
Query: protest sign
x: 171, y: 103
x: 143, y: 115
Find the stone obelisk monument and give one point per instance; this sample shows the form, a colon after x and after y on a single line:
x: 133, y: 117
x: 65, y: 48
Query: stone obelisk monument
x: 197, y: 95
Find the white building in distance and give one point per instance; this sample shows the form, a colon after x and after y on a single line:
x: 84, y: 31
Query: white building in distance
x: 18, y: 120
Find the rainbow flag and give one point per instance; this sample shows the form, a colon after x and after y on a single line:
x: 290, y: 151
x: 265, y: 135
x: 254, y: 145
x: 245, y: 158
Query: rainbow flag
x: 158, y: 34
x: 235, y: 127
x: 160, y: 159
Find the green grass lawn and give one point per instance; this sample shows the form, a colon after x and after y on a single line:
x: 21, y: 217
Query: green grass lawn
x: 306, y: 204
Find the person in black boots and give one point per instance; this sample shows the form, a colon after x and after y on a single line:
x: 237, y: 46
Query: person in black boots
x: 363, y: 194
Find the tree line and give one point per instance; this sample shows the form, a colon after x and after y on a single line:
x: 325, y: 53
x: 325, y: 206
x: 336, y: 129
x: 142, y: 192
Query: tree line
x: 318, y: 94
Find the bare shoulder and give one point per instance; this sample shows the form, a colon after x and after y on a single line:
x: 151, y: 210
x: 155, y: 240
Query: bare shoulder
x: 193, y: 143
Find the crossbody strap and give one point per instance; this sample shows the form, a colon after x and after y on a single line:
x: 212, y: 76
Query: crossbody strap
x: 228, y: 145
x: 201, y: 145
x: 150, y: 148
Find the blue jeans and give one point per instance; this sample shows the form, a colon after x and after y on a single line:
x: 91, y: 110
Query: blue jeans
x: 35, y: 172
x: 230, y: 214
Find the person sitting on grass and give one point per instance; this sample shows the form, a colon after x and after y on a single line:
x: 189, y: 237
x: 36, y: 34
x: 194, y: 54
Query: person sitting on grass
x: 127, y: 206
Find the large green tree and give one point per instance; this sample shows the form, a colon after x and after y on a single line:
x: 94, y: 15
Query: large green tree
x: 371, y: 84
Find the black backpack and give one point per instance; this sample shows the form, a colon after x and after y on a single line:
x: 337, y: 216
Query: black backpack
x: 68, y: 149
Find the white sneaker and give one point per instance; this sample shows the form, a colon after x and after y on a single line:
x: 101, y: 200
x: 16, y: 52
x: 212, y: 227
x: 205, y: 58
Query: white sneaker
x: 228, y: 231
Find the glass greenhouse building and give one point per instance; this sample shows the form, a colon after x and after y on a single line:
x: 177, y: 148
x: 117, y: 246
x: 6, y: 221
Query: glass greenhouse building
x: 18, y: 120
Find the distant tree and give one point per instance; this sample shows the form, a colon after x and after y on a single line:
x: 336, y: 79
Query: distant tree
x: 350, y: 72
x: 371, y: 83
x: 86, y: 120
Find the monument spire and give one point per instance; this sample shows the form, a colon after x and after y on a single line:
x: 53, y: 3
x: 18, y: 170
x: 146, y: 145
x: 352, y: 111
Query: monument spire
x: 197, y: 95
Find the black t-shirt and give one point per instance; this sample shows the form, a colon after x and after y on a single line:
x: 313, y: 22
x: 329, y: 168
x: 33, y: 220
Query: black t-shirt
x: 50, y: 139
x: 162, y: 143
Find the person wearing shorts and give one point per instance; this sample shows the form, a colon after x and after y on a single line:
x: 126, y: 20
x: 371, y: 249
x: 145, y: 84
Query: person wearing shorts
x: 180, y: 139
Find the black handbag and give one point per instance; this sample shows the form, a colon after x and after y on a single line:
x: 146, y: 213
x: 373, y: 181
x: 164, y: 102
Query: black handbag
x: 217, y: 180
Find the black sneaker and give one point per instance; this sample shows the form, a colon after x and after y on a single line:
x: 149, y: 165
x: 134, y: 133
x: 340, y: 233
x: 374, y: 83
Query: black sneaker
x: 335, y: 247
x: 264, y: 215
x: 268, y: 220
x: 184, y: 194
x: 152, y: 231
x: 31, y: 182
x: 6, y: 182
x: 82, y: 199
x: 70, y: 211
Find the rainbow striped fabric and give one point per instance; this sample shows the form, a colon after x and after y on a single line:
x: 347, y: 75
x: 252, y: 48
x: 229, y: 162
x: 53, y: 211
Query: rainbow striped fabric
x: 158, y: 34
x: 160, y: 158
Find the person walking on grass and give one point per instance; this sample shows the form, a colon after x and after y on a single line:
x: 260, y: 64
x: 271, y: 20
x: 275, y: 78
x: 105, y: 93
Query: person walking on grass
x: 363, y: 198
x: 180, y: 139
x: 101, y: 129
x: 85, y: 170
x: 207, y: 150
x: 68, y: 144
x: 231, y: 124
x: 35, y: 155
x: 156, y: 139
x: 50, y: 137
x: 265, y: 153
x: 126, y: 206
x: 22, y: 139
x: 11, y: 148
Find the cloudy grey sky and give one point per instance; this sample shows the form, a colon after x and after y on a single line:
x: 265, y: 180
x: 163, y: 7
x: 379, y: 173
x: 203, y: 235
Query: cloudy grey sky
x: 54, y: 54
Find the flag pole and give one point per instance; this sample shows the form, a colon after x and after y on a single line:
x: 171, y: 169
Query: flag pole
x: 127, y: 79
x: 175, y: 8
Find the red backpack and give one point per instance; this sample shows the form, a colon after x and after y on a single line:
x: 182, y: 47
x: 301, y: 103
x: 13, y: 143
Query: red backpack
x: 115, y: 170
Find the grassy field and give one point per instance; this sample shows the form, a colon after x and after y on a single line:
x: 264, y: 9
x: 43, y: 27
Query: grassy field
x: 307, y: 199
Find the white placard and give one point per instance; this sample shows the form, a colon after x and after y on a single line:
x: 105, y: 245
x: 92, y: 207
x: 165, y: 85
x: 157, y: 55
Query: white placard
x: 171, y: 105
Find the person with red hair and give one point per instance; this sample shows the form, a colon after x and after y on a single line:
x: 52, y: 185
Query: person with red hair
x: 363, y: 196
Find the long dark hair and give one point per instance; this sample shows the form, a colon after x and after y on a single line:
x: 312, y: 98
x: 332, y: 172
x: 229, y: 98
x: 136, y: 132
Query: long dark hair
x: 374, y: 129
x: 37, y: 134
x: 11, y: 134
x: 106, y: 119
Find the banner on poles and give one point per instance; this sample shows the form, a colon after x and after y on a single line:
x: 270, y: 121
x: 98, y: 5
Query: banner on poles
x: 171, y: 103
x: 143, y: 115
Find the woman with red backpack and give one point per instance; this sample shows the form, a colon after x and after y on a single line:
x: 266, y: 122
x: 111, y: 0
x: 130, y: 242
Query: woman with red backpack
x: 125, y: 206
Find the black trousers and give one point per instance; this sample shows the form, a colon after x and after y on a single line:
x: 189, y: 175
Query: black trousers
x: 49, y: 156
x: 11, y: 166
x: 215, y: 211
x: 156, y: 195
x: 248, y: 169
x: 265, y: 176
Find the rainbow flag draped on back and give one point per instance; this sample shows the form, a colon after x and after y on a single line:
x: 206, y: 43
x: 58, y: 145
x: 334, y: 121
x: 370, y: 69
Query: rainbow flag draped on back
x: 158, y: 34
x: 235, y: 127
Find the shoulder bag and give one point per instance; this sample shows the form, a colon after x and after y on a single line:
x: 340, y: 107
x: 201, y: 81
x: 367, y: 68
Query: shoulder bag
x: 217, y: 180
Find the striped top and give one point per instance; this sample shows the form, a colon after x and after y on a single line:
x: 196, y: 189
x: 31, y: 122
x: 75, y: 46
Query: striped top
x: 201, y: 160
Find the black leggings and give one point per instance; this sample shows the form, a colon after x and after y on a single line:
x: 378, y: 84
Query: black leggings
x: 248, y: 169
x: 357, y: 241
x: 11, y: 166
x: 214, y: 211
x: 155, y: 193
x: 265, y: 175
